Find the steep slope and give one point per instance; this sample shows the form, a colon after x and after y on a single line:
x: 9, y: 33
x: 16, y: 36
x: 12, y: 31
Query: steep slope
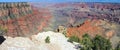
x: 23, y: 19
x: 93, y: 27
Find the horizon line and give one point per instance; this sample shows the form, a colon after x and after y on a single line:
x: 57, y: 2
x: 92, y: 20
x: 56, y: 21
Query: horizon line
x: 59, y: 1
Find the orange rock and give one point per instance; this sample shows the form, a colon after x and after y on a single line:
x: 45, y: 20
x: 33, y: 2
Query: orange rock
x: 87, y: 27
x: 109, y: 34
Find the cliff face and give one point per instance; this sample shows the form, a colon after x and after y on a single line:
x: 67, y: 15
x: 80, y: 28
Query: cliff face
x: 103, y: 18
x: 22, y: 19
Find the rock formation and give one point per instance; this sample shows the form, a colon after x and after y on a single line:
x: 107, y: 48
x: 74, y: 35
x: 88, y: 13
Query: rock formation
x: 92, y: 27
x: 22, y: 19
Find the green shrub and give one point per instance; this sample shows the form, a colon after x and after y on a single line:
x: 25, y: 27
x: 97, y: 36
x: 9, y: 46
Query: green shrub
x: 101, y: 43
x: 2, y: 30
x: 86, y: 42
x: 118, y: 46
x: 47, y: 40
x: 74, y: 39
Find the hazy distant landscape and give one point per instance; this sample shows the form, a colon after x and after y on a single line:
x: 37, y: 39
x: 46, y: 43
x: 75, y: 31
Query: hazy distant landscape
x: 90, y: 25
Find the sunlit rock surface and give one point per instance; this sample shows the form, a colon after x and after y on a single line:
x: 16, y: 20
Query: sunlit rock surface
x: 93, y: 27
x: 37, y: 42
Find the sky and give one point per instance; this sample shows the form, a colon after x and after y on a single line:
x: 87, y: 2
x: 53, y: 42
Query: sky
x: 112, y: 1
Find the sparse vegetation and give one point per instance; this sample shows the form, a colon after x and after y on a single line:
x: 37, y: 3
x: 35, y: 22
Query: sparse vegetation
x: 47, y: 40
x: 74, y: 39
x: 118, y: 46
x: 100, y: 43
x: 86, y: 42
x: 96, y: 43
x: 2, y: 30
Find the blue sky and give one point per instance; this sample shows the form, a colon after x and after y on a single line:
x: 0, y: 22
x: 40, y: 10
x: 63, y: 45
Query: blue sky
x: 113, y: 1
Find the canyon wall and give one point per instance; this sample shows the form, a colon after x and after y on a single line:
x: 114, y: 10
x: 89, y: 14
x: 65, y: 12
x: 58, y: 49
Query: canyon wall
x: 22, y: 19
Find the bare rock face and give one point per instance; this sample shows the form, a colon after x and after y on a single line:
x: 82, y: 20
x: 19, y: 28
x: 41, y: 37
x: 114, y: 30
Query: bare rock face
x: 22, y: 19
x: 37, y: 42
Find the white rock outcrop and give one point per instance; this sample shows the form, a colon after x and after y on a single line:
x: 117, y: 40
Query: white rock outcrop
x: 37, y: 42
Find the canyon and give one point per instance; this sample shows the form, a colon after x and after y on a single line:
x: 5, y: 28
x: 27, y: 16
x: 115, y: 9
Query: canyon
x: 25, y: 19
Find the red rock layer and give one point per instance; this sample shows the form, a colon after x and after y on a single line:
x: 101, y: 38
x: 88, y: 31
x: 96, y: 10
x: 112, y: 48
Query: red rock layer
x: 27, y: 25
x: 90, y: 27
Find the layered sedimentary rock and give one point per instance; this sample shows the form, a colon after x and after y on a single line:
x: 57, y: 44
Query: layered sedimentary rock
x: 22, y: 19
x: 91, y: 18
x: 92, y: 27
